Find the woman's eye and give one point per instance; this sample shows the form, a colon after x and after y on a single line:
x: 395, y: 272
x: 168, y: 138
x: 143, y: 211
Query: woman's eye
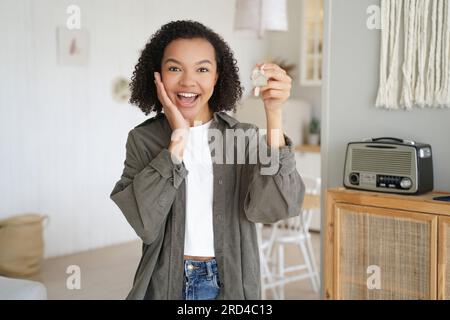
x: 174, y: 69
x: 203, y: 70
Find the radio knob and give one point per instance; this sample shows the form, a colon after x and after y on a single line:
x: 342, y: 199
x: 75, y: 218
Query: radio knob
x: 406, y: 183
x: 354, y: 178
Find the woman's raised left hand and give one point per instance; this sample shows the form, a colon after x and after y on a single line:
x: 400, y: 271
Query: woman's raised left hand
x: 278, y: 88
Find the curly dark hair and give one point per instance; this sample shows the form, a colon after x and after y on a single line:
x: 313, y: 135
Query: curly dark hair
x: 228, y: 89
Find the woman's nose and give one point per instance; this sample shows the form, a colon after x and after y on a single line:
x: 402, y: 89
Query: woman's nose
x: 187, y: 79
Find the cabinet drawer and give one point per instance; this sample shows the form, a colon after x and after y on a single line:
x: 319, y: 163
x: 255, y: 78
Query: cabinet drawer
x: 384, y: 253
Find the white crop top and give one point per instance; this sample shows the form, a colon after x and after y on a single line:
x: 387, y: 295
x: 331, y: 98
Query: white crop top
x: 199, y: 235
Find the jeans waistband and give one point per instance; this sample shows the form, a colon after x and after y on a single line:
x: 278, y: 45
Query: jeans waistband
x: 192, y: 267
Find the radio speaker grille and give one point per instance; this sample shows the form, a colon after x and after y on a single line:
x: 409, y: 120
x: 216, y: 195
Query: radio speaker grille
x: 382, y: 161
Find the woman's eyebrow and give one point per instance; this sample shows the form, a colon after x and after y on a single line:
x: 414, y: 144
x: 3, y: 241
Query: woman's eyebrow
x: 172, y: 60
x: 178, y: 62
x: 204, y: 61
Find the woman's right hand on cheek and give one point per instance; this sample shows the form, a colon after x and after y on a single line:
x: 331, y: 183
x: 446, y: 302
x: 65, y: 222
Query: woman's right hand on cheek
x: 179, y: 125
x: 173, y: 115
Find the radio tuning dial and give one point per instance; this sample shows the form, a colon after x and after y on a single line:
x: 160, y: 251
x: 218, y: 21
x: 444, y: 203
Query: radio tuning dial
x: 406, y: 183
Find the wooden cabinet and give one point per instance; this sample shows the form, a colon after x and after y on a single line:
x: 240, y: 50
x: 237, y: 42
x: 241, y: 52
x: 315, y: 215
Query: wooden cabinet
x: 386, y: 246
x: 444, y: 258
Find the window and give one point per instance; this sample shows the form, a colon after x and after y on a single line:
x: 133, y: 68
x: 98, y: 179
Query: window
x: 312, y: 35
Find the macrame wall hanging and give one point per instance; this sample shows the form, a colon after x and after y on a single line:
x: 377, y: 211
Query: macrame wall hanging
x: 418, y: 75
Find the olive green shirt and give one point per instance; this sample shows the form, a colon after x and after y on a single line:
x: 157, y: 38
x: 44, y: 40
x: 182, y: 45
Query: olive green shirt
x: 152, y: 194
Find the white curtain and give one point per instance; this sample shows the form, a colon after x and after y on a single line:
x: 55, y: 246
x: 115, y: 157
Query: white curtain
x: 420, y: 75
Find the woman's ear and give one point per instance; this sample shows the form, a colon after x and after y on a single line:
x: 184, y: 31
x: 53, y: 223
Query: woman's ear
x: 217, y: 78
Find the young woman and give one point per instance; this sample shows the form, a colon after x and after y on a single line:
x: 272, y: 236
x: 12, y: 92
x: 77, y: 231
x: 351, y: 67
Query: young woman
x: 196, y: 215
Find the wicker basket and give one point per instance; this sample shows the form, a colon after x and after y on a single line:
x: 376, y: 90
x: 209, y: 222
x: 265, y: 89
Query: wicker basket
x: 21, y: 245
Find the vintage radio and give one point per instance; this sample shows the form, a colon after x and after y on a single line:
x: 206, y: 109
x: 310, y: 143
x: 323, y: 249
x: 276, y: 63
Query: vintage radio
x: 389, y: 165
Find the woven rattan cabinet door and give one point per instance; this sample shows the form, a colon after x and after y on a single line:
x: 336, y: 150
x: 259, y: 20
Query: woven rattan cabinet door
x: 444, y: 258
x: 384, y: 254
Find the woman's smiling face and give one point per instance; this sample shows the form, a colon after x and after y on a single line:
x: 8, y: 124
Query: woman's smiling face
x: 189, y: 74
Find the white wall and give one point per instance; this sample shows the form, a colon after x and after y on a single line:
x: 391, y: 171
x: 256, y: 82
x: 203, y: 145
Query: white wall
x: 351, y: 70
x: 62, y: 137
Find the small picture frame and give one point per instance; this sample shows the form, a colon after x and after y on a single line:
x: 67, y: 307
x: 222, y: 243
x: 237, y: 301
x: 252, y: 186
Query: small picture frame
x: 73, y: 47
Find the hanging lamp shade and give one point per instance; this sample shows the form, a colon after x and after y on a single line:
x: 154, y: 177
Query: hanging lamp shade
x: 261, y: 15
x: 274, y: 14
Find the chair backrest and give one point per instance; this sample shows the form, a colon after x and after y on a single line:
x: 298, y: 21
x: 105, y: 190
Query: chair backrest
x: 312, y: 184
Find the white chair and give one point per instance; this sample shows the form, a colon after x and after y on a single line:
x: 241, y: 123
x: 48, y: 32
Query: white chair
x: 268, y: 278
x: 296, y: 231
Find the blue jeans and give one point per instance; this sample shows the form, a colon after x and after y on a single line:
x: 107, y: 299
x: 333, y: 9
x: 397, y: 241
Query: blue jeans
x: 201, y: 280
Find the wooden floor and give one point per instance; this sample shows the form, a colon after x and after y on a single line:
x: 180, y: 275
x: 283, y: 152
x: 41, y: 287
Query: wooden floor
x: 108, y: 273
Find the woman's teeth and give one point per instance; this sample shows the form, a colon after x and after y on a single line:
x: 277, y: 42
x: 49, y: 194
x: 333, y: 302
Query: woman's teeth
x: 187, y: 99
x: 188, y: 95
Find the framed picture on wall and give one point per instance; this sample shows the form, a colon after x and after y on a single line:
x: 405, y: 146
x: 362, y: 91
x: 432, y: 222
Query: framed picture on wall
x: 73, y: 47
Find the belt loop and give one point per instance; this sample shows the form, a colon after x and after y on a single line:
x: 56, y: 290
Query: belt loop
x: 209, y: 269
x: 186, y: 270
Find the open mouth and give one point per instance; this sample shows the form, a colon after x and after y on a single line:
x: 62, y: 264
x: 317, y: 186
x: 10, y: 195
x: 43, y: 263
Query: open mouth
x: 187, y: 99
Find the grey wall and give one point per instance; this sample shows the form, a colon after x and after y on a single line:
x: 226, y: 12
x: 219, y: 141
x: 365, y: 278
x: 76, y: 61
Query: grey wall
x: 351, y: 69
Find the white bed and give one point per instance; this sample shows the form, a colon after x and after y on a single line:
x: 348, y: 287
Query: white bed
x: 20, y: 289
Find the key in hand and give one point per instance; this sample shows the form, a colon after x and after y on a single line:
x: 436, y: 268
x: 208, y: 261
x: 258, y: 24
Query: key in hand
x: 258, y: 80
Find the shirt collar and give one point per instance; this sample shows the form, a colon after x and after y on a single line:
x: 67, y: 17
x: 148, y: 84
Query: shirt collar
x: 220, y: 116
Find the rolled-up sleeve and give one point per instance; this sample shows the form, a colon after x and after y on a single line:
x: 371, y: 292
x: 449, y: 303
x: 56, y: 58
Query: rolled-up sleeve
x: 276, y: 196
x: 145, y: 192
